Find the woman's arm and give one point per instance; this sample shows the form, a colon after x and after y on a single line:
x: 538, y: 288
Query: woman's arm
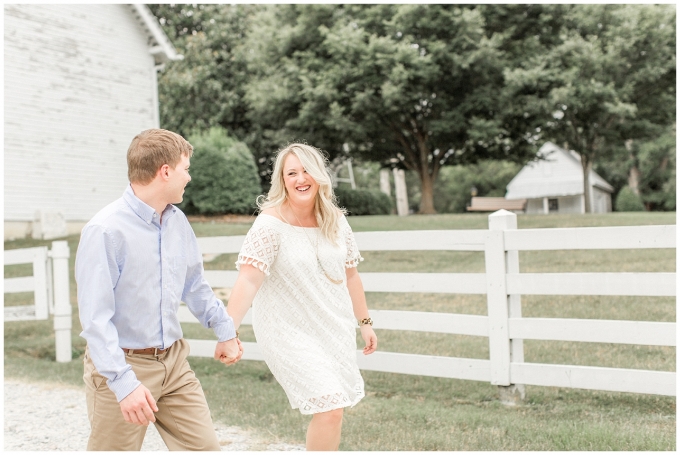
x: 356, y: 293
x: 247, y: 284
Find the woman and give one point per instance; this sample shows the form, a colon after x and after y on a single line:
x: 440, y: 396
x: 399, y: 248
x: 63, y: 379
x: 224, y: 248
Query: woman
x: 297, y: 267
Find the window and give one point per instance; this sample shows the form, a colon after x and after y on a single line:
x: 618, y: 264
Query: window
x: 552, y: 205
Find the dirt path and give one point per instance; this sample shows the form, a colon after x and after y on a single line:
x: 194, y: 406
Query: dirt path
x: 43, y: 416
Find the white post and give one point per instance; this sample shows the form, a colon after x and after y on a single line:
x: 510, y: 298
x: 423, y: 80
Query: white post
x: 385, y: 181
x: 40, y: 292
x: 400, y: 191
x: 62, y: 300
x: 546, y: 206
x: 351, y: 174
x: 501, y: 307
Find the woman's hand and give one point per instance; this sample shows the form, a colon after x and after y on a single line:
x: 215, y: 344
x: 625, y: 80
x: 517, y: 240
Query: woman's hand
x: 370, y: 338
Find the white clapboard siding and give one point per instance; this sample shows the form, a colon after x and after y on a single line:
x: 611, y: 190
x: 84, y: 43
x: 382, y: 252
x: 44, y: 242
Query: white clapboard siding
x: 594, y: 378
x: 79, y: 85
x: 594, y: 331
x: 637, y: 284
x: 595, y: 238
x: 457, y: 240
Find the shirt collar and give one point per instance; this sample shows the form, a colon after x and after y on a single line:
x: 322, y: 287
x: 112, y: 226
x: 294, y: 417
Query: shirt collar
x: 142, y: 209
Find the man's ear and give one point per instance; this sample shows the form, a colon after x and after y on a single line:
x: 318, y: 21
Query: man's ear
x: 164, y: 172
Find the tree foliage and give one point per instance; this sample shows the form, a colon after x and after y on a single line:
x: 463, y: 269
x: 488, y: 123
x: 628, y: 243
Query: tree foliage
x: 206, y: 88
x: 414, y: 85
x: 597, y: 86
x: 224, y: 175
x: 425, y: 86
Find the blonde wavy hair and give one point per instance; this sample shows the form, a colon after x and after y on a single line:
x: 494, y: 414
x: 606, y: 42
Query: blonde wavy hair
x: 326, y: 209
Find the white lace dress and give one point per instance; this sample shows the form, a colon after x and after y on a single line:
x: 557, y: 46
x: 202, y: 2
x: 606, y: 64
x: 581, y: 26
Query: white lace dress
x: 304, y: 323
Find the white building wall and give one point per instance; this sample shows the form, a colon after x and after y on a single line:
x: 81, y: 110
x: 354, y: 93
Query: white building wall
x: 569, y: 204
x: 78, y: 87
x: 565, y: 204
x: 534, y: 206
x: 602, y: 201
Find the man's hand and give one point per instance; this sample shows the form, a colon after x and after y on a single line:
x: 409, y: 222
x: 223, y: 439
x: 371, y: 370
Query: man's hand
x: 139, y: 406
x: 370, y: 339
x: 229, y: 352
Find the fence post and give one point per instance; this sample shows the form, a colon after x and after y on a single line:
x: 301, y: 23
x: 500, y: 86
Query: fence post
x: 62, y: 300
x: 501, y: 306
x: 40, y: 293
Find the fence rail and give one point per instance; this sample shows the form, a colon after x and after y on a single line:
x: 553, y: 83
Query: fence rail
x: 503, y: 284
x: 50, y: 286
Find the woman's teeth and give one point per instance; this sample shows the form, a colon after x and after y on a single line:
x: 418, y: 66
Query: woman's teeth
x: 303, y: 188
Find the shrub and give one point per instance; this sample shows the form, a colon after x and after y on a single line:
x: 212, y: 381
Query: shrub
x: 224, y: 176
x: 364, y: 202
x: 628, y: 201
x: 452, y: 188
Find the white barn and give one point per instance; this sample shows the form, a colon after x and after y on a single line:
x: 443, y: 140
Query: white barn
x: 80, y: 83
x: 555, y: 184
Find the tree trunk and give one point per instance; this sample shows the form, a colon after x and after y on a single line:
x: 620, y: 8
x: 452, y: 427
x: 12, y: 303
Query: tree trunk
x: 633, y: 173
x: 587, y: 165
x: 427, y: 194
x: 634, y: 179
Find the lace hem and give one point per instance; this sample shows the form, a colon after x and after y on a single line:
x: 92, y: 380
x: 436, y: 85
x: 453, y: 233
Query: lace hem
x: 254, y: 262
x: 354, y: 262
x: 329, y: 403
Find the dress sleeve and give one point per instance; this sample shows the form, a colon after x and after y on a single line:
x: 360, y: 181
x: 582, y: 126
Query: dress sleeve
x: 260, y: 247
x: 353, y: 255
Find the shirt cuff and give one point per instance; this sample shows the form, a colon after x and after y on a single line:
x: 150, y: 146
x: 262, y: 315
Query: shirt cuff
x: 124, y: 385
x: 225, y: 330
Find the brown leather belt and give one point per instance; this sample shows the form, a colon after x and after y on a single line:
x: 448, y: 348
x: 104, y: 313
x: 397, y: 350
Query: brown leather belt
x: 154, y: 351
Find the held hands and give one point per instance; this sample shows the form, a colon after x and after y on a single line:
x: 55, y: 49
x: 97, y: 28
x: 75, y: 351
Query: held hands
x: 139, y: 406
x: 370, y: 339
x: 229, y: 352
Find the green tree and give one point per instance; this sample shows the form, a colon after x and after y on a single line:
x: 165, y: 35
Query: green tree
x: 417, y: 86
x: 224, y: 175
x: 609, y: 79
x: 206, y: 88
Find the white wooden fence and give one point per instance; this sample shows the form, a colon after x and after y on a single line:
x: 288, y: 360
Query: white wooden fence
x: 50, y: 286
x: 503, y: 284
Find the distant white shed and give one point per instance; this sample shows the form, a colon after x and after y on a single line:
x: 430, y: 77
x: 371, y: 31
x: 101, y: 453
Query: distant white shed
x: 555, y: 184
x: 80, y: 83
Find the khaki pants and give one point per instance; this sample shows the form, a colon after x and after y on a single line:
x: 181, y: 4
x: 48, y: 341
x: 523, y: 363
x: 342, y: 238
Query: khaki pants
x: 183, y: 418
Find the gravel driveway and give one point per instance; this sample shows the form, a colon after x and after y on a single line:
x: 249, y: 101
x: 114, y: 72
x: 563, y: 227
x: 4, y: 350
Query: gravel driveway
x: 41, y: 416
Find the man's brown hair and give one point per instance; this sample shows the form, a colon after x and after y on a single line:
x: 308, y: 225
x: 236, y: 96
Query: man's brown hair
x: 150, y: 150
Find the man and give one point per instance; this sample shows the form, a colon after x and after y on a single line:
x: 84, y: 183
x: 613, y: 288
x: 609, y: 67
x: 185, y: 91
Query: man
x: 137, y: 259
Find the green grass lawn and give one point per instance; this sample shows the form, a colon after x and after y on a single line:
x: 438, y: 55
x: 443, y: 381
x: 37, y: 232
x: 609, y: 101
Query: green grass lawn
x: 403, y: 412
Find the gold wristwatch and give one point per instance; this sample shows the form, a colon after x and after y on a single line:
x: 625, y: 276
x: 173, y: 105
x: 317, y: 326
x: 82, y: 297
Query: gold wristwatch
x: 365, y: 321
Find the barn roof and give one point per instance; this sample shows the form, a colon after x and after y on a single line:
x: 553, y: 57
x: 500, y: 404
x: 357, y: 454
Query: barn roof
x: 559, y: 174
x: 159, y: 43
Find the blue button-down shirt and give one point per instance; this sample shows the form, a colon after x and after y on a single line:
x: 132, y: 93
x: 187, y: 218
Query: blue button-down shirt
x: 132, y: 271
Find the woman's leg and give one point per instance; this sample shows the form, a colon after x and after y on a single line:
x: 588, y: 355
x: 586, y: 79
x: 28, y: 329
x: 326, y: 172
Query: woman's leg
x: 324, y: 430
